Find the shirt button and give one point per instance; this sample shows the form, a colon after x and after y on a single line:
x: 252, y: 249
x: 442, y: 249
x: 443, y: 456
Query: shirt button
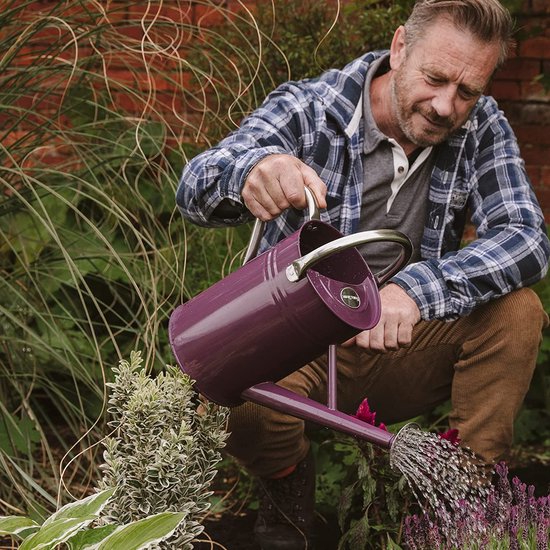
x: 401, y: 169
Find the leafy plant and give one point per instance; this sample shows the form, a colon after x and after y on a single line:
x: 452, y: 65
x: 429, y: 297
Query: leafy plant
x: 247, y: 54
x: 375, y: 499
x: 72, y: 525
x: 164, y: 450
x: 93, y: 255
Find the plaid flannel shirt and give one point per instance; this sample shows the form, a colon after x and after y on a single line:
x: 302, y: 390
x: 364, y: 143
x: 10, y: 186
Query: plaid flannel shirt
x: 479, y: 167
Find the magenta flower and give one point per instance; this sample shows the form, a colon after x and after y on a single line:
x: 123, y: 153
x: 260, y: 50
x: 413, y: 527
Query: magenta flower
x: 366, y: 415
x: 451, y: 436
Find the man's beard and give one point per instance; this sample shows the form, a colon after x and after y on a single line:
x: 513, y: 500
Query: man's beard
x: 404, y: 113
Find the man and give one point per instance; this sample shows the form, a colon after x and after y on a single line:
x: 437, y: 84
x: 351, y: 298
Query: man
x: 405, y: 140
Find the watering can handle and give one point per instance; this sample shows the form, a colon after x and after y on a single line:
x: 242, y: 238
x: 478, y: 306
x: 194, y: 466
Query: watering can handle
x: 297, y: 269
x: 259, y: 226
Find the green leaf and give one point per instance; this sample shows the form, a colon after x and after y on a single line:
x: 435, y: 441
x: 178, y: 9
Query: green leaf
x: 344, y: 506
x: 17, y: 525
x: 142, y: 533
x: 17, y: 434
x: 359, y: 533
x: 84, y: 508
x: 392, y: 545
x: 89, y: 537
x: 49, y: 536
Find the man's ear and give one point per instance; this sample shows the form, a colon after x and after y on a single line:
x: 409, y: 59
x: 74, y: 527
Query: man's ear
x: 398, y: 48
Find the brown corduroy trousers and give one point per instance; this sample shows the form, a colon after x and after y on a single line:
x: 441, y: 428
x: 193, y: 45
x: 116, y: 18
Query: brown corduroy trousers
x: 483, y: 362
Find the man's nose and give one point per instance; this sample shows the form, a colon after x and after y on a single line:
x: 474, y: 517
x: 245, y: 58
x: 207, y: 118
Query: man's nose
x: 443, y: 101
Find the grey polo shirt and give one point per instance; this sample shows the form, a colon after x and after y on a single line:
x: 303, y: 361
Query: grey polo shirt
x: 395, y: 187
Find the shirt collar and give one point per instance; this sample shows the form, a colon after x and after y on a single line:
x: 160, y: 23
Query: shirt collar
x: 372, y: 134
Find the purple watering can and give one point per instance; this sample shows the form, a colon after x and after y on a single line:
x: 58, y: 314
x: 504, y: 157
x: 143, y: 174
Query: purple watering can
x: 279, y: 311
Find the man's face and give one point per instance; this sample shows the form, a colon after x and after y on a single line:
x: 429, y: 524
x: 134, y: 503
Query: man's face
x: 438, y: 80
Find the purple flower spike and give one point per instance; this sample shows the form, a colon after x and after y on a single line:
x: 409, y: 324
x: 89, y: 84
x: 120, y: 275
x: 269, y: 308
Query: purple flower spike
x: 503, y: 485
x: 543, y: 524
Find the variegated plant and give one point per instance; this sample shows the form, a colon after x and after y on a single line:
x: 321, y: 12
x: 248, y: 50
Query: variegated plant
x: 71, y: 525
x: 164, y: 449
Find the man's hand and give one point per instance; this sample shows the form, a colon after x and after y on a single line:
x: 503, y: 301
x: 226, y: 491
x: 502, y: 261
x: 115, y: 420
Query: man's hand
x: 277, y: 182
x: 394, y: 330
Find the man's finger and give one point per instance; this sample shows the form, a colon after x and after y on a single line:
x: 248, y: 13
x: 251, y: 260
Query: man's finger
x: 349, y: 342
x: 404, y: 335
x: 257, y: 209
x: 377, y: 338
x: 317, y: 186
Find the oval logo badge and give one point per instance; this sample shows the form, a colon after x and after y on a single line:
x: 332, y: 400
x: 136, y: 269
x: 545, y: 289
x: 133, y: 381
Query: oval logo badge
x: 350, y: 297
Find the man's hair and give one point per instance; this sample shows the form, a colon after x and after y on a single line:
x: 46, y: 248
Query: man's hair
x: 487, y: 20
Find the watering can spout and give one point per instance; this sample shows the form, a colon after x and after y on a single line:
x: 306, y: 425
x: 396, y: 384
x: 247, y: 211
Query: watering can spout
x: 278, y: 398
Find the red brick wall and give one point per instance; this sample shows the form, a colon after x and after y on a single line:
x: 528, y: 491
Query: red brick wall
x: 523, y: 98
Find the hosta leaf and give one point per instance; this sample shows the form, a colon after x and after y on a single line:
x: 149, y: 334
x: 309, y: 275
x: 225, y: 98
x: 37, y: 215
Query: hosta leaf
x: 89, y: 506
x: 142, y: 533
x: 89, y: 537
x: 49, y: 536
x: 17, y: 525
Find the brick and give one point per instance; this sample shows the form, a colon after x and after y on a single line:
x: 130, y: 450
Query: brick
x: 534, y: 154
x: 505, y: 89
x: 532, y: 133
x: 182, y: 12
x: 518, y: 68
x: 543, y: 195
x: 127, y: 103
x: 534, y: 173
x: 526, y: 113
x: 207, y: 15
x: 130, y: 29
x: 115, y: 13
x: 545, y: 177
x: 537, y: 47
x: 124, y: 77
x: 534, y: 91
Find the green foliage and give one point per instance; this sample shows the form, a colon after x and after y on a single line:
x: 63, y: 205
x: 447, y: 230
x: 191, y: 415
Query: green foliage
x: 98, y: 118
x: 533, y: 423
x: 164, y: 450
x: 373, y: 498
x: 71, y: 525
x: 93, y: 254
x: 249, y: 54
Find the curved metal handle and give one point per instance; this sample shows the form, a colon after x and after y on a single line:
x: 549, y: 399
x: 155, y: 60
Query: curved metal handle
x: 259, y: 226
x: 297, y: 269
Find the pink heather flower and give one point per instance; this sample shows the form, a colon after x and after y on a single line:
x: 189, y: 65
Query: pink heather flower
x: 451, y: 436
x: 366, y: 415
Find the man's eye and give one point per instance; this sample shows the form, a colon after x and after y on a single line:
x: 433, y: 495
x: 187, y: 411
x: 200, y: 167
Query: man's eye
x: 468, y: 95
x: 433, y: 80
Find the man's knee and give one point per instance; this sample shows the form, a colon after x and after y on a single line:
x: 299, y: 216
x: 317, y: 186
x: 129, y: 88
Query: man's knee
x: 523, y: 306
x: 518, y: 317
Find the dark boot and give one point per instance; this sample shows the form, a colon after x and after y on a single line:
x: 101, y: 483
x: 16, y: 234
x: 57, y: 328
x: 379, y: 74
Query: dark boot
x: 285, y: 516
